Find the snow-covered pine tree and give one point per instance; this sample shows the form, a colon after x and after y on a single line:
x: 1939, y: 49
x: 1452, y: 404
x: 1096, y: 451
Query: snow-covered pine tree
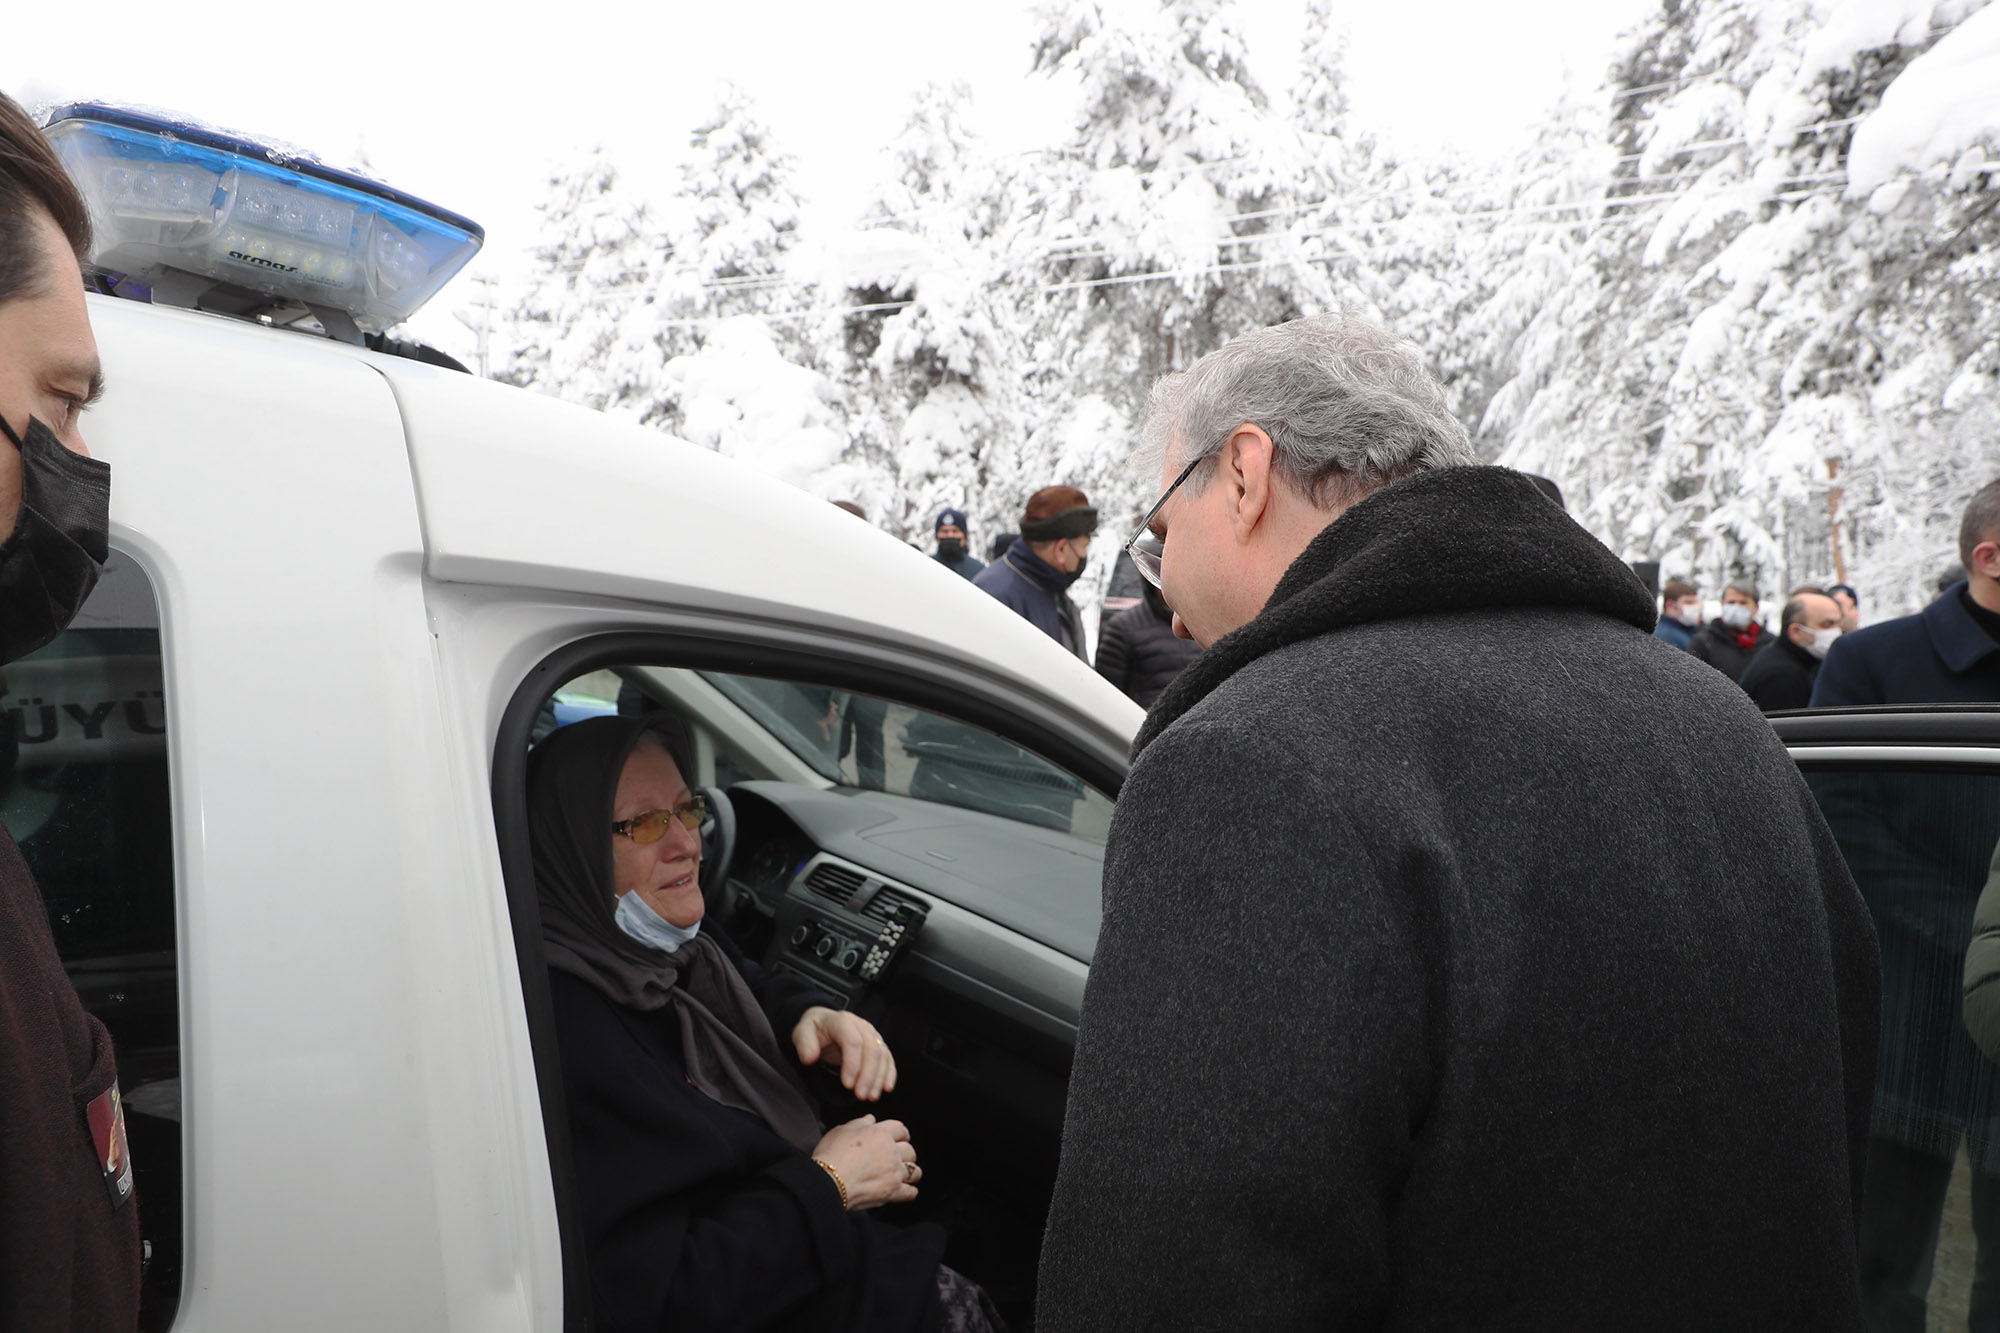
x: 1746, y: 374
x: 731, y: 226
x: 926, y: 357
x: 570, y: 334
x: 1165, y: 227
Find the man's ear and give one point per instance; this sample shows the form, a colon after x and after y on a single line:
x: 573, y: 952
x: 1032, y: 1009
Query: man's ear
x: 1986, y: 559
x: 1246, y: 467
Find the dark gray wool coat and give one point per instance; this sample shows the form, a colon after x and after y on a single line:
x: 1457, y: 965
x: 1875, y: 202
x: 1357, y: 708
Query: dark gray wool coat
x: 1471, y: 959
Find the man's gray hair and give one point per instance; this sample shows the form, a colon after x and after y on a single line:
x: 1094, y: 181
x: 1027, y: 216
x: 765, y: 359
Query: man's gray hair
x: 1349, y: 408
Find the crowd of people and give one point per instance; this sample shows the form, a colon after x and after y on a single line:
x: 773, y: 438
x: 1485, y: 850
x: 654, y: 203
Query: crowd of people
x: 1821, y: 657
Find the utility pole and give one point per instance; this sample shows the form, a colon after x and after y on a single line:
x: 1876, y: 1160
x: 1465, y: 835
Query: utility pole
x: 479, y: 319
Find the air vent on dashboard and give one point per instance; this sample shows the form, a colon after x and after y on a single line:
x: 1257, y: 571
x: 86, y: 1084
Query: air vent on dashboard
x: 832, y: 880
x: 889, y: 906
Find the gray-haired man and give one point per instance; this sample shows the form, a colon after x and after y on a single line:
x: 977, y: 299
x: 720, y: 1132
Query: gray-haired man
x: 1435, y: 988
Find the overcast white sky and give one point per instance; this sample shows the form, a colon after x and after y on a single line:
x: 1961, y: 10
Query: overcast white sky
x: 468, y: 105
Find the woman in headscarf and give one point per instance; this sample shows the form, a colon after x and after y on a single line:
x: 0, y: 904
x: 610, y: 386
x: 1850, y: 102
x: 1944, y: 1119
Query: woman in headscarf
x: 710, y: 1197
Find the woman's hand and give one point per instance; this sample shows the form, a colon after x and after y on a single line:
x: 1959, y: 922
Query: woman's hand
x: 875, y: 1159
x: 850, y: 1044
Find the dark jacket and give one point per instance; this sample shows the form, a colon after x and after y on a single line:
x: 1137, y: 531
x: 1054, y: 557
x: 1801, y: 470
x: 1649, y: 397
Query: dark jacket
x: 1940, y: 655
x: 1414, y: 1004
x: 1038, y: 592
x: 1780, y: 676
x: 1716, y: 644
x: 697, y: 1216
x: 1137, y: 650
x: 967, y: 566
x: 69, y: 1244
x: 1672, y: 631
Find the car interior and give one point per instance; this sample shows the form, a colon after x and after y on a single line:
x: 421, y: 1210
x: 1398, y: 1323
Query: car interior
x: 938, y: 879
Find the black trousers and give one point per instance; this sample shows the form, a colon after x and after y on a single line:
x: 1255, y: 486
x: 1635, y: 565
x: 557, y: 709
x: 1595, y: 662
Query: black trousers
x: 1902, y: 1203
x: 861, y: 731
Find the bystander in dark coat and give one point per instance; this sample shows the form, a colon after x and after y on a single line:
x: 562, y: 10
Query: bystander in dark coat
x: 1920, y: 851
x: 1434, y: 990
x: 1947, y: 653
x: 953, y: 551
x: 1781, y: 676
x: 1037, y: 591
x: 1137, y: 650
x: 1727, y: 648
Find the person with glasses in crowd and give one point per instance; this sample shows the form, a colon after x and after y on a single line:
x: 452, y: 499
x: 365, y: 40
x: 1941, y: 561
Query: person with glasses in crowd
x: 1438, y: 986
x: 710, y: 1194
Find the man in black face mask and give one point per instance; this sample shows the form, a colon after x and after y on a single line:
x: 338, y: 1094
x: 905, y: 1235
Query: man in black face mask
x: 69, y: 1228
x: 950, y: 530
x: 1034, y: 576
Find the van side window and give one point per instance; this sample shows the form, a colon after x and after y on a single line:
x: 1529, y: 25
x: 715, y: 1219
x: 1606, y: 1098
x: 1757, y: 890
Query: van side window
x: 84, y: 789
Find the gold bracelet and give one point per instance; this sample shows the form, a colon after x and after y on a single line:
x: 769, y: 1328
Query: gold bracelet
x: 838, y: 1183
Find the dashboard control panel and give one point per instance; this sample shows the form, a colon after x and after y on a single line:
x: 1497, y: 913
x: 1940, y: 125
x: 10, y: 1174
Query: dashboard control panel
x: 844, y: 926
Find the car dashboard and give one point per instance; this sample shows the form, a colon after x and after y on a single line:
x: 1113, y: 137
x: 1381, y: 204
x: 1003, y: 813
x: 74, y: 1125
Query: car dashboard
x: 860, y: 888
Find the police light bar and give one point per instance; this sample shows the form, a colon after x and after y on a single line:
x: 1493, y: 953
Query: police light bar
x: 170, y: 196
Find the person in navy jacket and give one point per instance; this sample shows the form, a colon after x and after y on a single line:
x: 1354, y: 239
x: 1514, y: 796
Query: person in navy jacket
x: 1931, y: 1084
x: 1947, y: 653
x: 1032, y: 578
x: 1680, y: 613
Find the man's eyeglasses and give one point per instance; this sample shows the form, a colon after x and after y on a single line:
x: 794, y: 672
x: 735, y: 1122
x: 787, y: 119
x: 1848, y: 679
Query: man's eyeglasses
x: 652, y: 826
x: 1148, y: 562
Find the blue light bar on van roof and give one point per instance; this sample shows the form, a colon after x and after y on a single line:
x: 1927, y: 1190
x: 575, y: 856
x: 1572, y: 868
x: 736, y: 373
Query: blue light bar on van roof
x: 171, y: 194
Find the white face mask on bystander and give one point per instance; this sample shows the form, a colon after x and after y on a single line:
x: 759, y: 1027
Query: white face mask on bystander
x: 1821, y: 641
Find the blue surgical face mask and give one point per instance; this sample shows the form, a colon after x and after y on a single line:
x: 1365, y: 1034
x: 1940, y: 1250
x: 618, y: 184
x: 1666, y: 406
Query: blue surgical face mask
x: 637, y: 918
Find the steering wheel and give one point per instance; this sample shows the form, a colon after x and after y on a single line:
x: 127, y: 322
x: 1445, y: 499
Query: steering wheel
x: 718, y: 842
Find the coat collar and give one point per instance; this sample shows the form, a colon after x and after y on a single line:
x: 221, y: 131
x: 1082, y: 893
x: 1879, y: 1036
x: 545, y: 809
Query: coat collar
x: 1456, y: 539
x: 1961, y: 644
x: 1022, y: 558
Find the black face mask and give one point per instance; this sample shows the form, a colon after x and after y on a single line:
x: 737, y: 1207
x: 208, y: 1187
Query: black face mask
x: 51, y: 561
x: 951, y: 548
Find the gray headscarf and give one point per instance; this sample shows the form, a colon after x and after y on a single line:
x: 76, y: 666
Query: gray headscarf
x: 732, y: 1054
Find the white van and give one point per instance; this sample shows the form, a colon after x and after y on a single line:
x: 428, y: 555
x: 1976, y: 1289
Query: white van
x: 272, y: 781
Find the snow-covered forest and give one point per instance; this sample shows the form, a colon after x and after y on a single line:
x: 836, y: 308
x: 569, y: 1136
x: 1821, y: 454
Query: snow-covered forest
x: 1741, y: 301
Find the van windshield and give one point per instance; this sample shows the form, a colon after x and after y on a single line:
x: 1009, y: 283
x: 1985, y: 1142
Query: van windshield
x: 855, y: 740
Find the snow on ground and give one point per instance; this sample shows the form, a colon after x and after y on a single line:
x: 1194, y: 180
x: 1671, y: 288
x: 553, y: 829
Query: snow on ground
x: 1946, y: 102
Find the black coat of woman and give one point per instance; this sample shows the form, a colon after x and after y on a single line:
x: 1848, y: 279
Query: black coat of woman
x: 696, y: 1213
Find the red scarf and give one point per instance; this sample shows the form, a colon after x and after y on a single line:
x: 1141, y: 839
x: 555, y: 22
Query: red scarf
x: 1746, y: 639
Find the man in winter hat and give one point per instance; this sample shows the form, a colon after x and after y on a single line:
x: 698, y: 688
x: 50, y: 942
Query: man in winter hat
x: 952, y: 552
x: 1410, y: 1008
x: 1033, y: 577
